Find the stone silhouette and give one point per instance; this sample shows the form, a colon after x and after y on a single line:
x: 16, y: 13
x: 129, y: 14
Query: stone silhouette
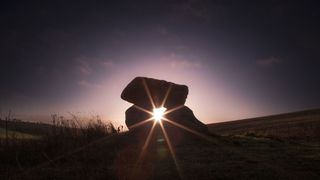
x: 141, y: 90
x: 136, y: 93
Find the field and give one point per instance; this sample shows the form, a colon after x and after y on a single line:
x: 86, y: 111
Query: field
x: 15, y: 134
x: 304, y: 125
x: 230, y: 151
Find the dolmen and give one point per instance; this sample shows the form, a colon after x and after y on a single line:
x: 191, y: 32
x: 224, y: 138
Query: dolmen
x: 146, y: 93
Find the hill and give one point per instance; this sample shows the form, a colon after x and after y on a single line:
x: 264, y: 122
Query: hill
x: 32, y: 128
x: 303, y: 124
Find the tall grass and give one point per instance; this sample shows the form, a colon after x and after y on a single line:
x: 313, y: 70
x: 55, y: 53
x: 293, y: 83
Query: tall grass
x: 63, y: 138
x: 61, y: 130
x: 75, y: 128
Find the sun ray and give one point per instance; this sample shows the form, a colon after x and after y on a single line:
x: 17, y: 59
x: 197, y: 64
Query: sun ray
x: 145, y: 85
x: 173, y: 109
x: 208, y: 138
x: 140, y: 123
x: 142, y: 109
x: 166, y: 95
x: 170, y: 148
x: 145, y: 145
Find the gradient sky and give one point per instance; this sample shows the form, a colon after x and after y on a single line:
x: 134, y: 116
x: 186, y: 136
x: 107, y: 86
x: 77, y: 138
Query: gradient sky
x: 239, y: 59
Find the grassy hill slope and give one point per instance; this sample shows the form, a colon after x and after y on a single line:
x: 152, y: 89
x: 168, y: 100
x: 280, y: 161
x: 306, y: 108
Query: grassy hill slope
x: 15, y: 134
x: 27, y: 127
x: 304, y: 124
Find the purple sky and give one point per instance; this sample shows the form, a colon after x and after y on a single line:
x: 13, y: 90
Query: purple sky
x: 239, y: 59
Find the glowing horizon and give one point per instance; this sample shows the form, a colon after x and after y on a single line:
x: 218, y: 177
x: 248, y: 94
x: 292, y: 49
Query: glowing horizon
x: 211, y: 102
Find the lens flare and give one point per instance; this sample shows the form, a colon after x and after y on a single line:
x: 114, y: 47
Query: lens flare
x: 158, y: 113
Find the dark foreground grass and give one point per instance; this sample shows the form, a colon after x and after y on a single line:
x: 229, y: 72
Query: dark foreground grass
x: 117, y: 157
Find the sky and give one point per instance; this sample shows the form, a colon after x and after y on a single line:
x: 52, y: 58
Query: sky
x: 240, y: 59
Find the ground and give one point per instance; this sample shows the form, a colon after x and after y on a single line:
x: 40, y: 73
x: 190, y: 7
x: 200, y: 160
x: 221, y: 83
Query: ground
x: 116, y: 157
x: 229, y: 151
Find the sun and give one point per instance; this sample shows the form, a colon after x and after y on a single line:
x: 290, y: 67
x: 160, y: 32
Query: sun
x: 158, y: 113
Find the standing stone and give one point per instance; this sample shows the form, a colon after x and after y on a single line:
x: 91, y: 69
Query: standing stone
x: 136, y: 92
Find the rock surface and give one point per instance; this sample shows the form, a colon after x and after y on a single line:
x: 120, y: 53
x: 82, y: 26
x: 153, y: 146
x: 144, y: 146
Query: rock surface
x: 135, y: 116
x: 185, y: 116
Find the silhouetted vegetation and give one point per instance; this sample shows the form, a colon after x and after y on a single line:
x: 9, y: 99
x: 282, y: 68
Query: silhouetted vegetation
x: 30, y: 144
x: 75, y: 128
x: 61, y: 128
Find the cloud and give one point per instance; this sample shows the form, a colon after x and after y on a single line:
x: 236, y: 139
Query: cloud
x: 87, y: 84
x: 83, y: 66
x: 163, y: 30
x: 184, y: 64
x: 56, y: 38
x: 200, y: 9
x: 269, y: 61
x: 108, y: 64
x: 83, y: 83
x: 180, y: 62
x: 182, y: 48
x: 17, y: 96
x: 16, y: 100
x: 89, y: 70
